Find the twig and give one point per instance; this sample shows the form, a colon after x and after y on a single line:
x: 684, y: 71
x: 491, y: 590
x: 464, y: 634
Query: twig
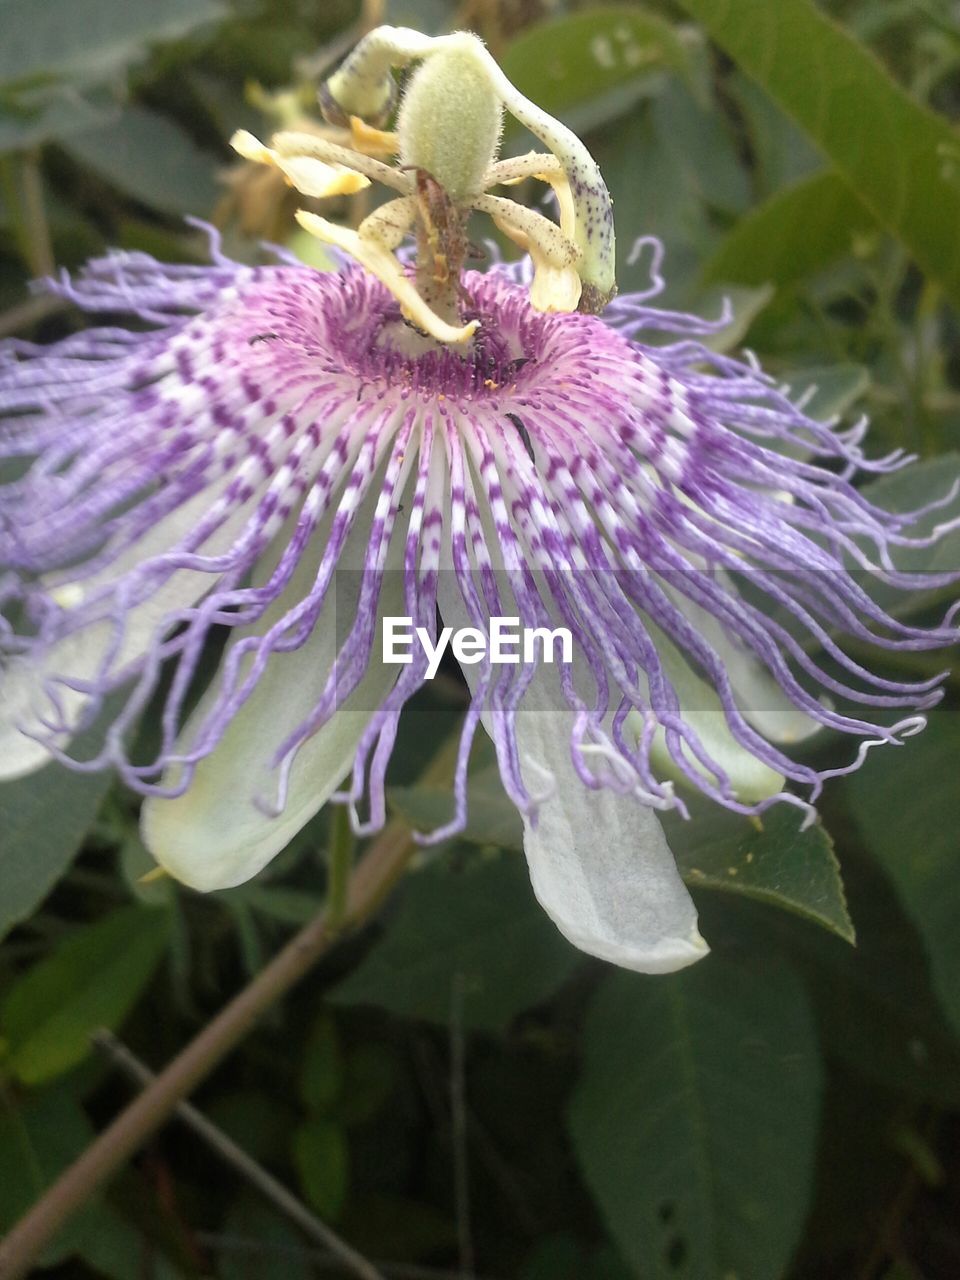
x: 26, y: 314
x: 339, y: 862
x: 238, y: 1159
x: 371, y: 880
x: 216, y: 1241
x: 42, y: 261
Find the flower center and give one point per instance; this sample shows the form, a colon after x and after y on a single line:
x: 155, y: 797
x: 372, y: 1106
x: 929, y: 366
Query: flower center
x: 388, y: 349
x: 448, y: 139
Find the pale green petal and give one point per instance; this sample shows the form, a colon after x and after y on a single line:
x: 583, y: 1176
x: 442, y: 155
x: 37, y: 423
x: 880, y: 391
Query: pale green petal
x: 79, y: 656
x: 702, y: 710
x: 216, y: 835
x: 763, y: 703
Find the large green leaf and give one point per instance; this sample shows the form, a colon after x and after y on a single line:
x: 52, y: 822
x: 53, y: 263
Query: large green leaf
x: 773, y: 861
x: 88, y: 41
x: 568, y: 65
x: 58, y: 113
x: 916, y: 486
x: 796, y: 232
x: 874, y: 1002
x: 151, y: 159
x: 473, y: 936
x: 907, y: 805
x: 909, y: 490
x: 91, y: 980
x: 43, y: 820
x: 695, y: 1119
x: 900, y: 159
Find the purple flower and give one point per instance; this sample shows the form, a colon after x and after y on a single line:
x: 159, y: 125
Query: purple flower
x: 219, y: 467
x: 274, y: 455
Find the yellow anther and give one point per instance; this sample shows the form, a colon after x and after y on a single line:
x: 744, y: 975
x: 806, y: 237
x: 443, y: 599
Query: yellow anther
x: 556, y: 280
x: 380, y: 262
x: 372, y: 142
x: 309, y: 175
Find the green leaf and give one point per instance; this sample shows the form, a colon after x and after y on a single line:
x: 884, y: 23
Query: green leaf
x: 321, y: 1065
x: 320, y: 1154
x: 475, y: 932
x: 91, y: 980
x: 907, y: 490
x: 38, y: 1139
x: 907, y: 805
x: 90, y: 41
x: 830, y: 389
x: 568, y: 63
x: 776, y: 863
x: 900, y: 159
x: 492, y: 818
x: 876, y: 1010
x: 795, y: 233
x: 281, y: 1254
x: 57, y: 114
x: 150, y: 158
x: 43, y: 820
x: 370, y: 1072
x: 917, y: 486
x: 695, y: 1119
x: 652, y: 195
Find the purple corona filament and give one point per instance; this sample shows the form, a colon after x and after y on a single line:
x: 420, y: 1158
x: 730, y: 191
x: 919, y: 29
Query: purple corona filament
x: 215, y: 470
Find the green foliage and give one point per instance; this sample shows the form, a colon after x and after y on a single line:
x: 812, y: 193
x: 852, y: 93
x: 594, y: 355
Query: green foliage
x: 43, y: 820
x: 91, y: 980
x: 899, y: 158
x: 320, y: 1154
x: 718, y: 1067
x: 795, y: 233
x: 570, y: 66
x: 88, y: 41
x: 149, y: 158
x: 772, y: 861
x: 468, y: 943
x: 913, y: 830
x: 36, y: 1141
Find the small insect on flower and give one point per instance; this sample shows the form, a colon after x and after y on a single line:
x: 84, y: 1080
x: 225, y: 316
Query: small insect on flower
x: 288, y: 457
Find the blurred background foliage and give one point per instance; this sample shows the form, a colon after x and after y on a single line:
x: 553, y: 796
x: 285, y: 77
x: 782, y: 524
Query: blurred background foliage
x: 455, y: 1091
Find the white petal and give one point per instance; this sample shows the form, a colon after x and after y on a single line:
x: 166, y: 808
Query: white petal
x: 599, y: 862
x: 216, y: 835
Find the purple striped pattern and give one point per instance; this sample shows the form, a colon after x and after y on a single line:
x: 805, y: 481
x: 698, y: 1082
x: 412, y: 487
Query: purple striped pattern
x: 564, y: 472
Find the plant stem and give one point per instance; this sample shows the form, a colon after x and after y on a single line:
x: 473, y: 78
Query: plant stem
x: 22, y: 186
x: 339, y: 861
x: 371, y: 880
x: 42, y: 262
x: 238, y: 1159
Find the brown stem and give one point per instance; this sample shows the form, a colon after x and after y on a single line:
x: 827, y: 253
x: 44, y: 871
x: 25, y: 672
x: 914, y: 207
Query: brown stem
x: 371, y: 880
x: 240, y: 1162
